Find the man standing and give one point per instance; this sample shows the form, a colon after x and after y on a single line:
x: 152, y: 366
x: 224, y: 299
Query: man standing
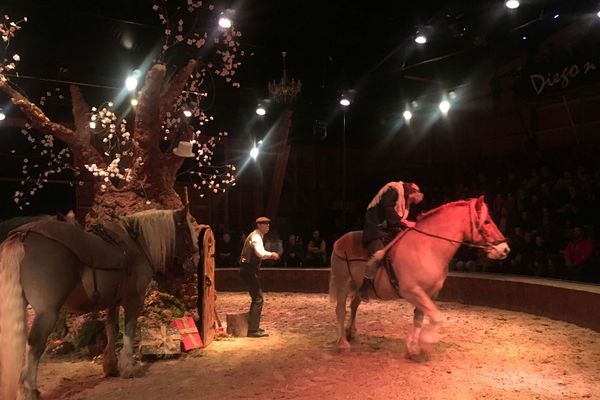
x: 386, y: 215
x: 253, y: 253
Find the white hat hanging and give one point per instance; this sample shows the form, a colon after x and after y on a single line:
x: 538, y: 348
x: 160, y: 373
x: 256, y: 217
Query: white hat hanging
x: 184, y: 149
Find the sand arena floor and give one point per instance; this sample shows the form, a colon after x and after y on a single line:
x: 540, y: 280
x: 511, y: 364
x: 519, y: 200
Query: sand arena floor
x: 484, y: 354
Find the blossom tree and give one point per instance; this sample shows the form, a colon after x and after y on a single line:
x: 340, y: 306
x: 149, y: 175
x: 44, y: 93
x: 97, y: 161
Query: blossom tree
x: 135, y: 161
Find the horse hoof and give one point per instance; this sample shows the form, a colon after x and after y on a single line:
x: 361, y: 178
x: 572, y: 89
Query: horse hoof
x: 28, y: 394
x: 418, y: 357
x: 110, y: 370
x: 343, y: 347
x: 429, y: 337
x: 128, y: 368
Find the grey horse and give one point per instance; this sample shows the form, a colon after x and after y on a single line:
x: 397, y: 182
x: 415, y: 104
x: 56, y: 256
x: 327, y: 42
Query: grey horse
x: 50, y: 264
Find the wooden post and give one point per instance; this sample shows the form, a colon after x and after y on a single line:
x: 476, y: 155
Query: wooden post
x: 206, y: 286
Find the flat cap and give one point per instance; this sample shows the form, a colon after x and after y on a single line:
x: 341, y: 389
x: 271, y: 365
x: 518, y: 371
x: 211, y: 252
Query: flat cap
x: 263, y: 220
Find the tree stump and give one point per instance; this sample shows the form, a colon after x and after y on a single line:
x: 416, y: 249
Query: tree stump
x: 237, y: 324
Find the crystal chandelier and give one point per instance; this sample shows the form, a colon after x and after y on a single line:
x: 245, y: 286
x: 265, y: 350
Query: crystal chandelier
x: 284, y: 91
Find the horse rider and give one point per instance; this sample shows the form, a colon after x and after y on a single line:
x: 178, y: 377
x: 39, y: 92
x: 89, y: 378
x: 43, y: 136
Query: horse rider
x: 386, y: 216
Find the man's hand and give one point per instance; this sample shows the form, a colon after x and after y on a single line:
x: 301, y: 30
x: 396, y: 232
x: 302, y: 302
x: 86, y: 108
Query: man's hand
x: 274, y: 256
x: 408, y: 223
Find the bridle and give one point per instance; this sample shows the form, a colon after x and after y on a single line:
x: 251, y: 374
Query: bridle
x: 484, y: 245
x: 182, y: 228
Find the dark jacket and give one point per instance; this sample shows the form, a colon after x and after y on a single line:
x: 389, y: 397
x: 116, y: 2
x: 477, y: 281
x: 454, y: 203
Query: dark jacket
x: 382, y: 219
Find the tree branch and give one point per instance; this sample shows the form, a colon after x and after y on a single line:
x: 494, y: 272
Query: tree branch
x: 81, y: 113
x: 176, y: 85
x: 38, y: 119
x: 147, y: 118
x: 83, y: 151
x: 146, y: 133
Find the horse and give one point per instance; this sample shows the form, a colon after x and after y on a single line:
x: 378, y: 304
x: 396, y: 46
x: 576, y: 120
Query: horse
x: 12, y: 223
x: 419, y: 259
x: 50, y: 264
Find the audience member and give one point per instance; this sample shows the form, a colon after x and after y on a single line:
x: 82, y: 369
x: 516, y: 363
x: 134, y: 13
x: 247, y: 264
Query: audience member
x: 316, y: 251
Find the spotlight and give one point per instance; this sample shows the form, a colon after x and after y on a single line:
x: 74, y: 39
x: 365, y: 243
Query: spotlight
x: 2, y: 115
x: 444, y: 106
x: 131, y: 83
x: 134, y: 102
x: 260, y: 110
x: 598, y: 14
x: 524, y: 38
x: 556, y: 16
x: 225, y: 20
x: 421, y: 39
x: 407, y: 115
x: 512, y: 4
x: 187, y: 113
x: 254, y: 152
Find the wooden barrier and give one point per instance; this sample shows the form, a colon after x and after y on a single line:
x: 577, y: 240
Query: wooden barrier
x: 577, y: 303
x: 206, y: 285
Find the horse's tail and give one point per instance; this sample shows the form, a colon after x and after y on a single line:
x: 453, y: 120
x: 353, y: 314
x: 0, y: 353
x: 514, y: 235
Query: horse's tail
x: 12, y: 317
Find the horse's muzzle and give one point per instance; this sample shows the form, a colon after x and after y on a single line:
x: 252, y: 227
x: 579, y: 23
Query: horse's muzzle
x: 498, y: 251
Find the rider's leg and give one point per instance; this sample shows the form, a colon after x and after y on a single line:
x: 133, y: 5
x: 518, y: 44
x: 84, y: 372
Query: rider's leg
x: 372, y: 247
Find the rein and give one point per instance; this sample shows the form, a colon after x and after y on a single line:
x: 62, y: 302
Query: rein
x: 460, y: 242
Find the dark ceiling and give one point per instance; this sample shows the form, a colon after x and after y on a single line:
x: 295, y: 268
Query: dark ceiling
x: 331, y: 47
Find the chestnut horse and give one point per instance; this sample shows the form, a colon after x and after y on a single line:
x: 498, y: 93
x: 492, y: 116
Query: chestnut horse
x: 420, y: 260
x: 50, y: 264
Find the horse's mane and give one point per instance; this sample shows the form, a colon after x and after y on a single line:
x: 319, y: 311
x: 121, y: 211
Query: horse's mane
x: 442, y: 207
x: 157, y: 234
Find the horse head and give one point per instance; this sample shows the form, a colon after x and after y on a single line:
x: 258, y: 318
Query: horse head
x: 485, y: 233
x: 186, y: 250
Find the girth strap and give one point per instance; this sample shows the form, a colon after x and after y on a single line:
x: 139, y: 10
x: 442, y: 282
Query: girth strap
x: 393, y: 278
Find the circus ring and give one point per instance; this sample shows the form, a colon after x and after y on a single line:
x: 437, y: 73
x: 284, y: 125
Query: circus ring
x: 504, y: 337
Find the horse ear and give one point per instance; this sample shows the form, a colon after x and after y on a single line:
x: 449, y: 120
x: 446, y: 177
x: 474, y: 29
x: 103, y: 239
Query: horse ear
x: 479, y: 203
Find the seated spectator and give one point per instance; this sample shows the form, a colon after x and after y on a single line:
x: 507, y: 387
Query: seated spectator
x: 316, y: 251
x: 226, y: 254
x: 578, y: 254
x: 273, y: 244
x: 293, y: 252
x: 540, y: 262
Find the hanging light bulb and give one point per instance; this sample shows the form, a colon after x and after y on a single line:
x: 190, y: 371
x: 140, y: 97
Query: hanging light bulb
x: 444, y: 106
x: 512, y: 4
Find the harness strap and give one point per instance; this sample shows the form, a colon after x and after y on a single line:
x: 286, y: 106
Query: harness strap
x: 392, y: 277
x: 388, y: 268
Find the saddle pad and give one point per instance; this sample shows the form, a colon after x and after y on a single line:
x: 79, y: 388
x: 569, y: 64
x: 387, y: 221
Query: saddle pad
x: 350, y: 246
x: 90, y: 249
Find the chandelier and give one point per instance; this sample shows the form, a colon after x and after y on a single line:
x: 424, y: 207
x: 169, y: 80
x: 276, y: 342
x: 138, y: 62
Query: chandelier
x: 284, y: 91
